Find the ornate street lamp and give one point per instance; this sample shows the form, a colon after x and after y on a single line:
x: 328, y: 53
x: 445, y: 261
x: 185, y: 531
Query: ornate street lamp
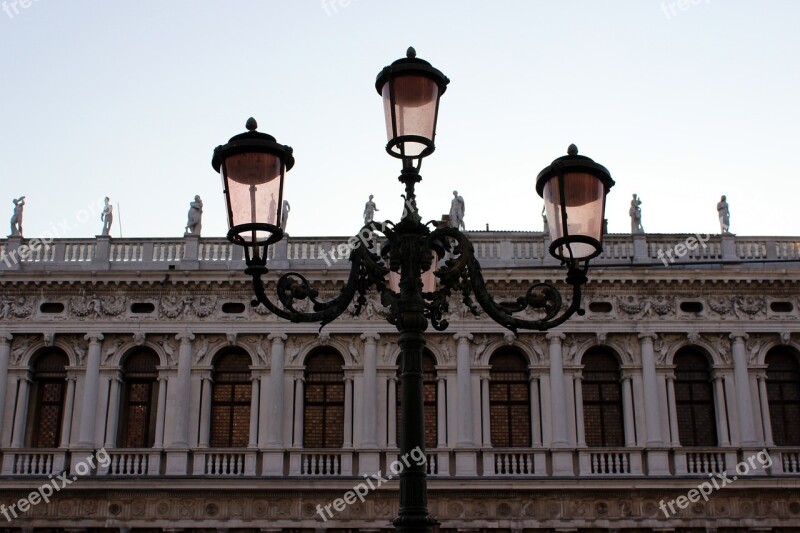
x: 574, y: 188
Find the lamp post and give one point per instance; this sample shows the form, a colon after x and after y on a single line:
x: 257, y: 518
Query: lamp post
x: 253, y: 167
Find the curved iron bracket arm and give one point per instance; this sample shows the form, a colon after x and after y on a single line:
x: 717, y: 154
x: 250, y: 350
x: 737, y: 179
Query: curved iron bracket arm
x: 463, y: 273
x: 366, y: 271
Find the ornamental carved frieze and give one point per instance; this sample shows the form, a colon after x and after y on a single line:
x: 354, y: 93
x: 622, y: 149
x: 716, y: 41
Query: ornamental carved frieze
x: 20, y: 345
x: 15, y: 307
x: 575, y: 343
x: 638, y: 308
x: 565, y: 508
x: 95, y: 307
x: 259, y: 345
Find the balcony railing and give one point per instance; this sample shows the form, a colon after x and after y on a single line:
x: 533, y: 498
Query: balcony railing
x: 321, y: 463
x: 493, y: 249
x: 336, y: 463
x: 32, y: 462
x: 225, y: 463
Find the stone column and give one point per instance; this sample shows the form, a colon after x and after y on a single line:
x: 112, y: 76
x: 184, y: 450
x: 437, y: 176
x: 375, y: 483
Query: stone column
x: 765, y: 416
x: 18, y: 440
x: 180, y: 421
x: 579, y: 424
x: 558, y: 401
x: 69, y: 406
x: 485, y: 412
x: 638, y: 408
x: 744, y: 402
x: 391, y: 423
x: 297, y: 440
x: 161, y: 409
x: 5, y: 355
x: 254, y: 405
x: 207, y: 386
x: 178, y: 455
x: 348, y: 411
x: 273, y: 455
x: 441, y: 412
x: 369, y: 438
x: 464, y: 391
x: 627, y: 406
x: 536, y: 429
x: 722, y: 416
x: 276, y: 379
x: 90, y: 391
x: 653, y: 395
x: 651, y: 404
x: 113, y: 412
x: 673, y: 409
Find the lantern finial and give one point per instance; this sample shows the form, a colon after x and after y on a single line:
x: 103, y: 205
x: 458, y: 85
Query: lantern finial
x: 251, y: 124
x: 572, y: 150
x: 411, y: 53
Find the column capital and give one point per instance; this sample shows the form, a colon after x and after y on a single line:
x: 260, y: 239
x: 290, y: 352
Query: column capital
x: 93, y: 338
x: 370, y: 337
x: 5, y: 338
x: 185, y: 338
x: 302, y: 379
x: 463, y: 336
x: 738, y: 337
x: 644, y: 337
x: 555, y: 338
x: 277, y: 338
x: 346, y: 378
x: 577, y: 375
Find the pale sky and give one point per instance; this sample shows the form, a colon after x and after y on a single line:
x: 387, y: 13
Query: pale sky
x: 129, y: 99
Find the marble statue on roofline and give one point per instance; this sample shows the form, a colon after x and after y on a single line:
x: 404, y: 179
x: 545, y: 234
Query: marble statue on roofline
x: 369, y: 211
x: 636, y: 215
x: 285, y: 215
x: 107, y: 216
x: 194, y: 220
x: 724, y: 215
x: 16, y: 218
x: 457, y: 212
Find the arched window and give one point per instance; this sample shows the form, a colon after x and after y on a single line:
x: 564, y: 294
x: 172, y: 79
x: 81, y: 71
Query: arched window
x: 323, y: 407
x: 430, y: 405
x: 139, y: 399
x: 602, y: 399
x: 783, y: 395
x: 694, y: 399
x: 49, y: 390
x: 509, y: 400
x: 230, y: 400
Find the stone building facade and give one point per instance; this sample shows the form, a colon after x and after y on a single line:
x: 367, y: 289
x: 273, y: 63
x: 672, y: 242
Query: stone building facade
x: 138, y: 370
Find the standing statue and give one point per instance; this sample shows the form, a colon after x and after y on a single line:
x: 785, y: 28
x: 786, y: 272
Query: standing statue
x: 545, y: 223
x: 285, y: 215
x: 16, y: 218
x: 457, y: 212
x: 369, y: 211
x: 195, y: 217
x: 107, y: 216
x: 724, y: 215
x: 273, y: 211
x: 636, y: 215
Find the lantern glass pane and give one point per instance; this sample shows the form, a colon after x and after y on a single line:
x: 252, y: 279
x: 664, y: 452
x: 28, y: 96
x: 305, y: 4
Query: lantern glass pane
x: 584, y: 205
x: 415, y: 111
x: 254, y: 187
